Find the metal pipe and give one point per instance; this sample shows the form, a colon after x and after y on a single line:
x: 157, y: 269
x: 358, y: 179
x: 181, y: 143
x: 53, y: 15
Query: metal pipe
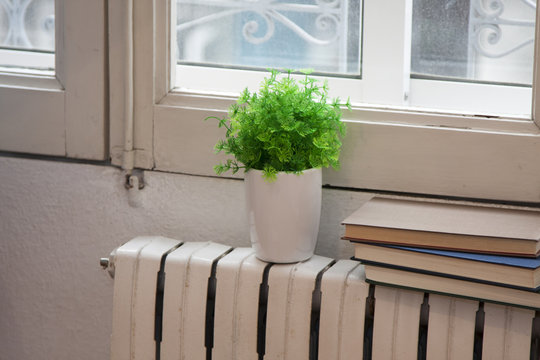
x: 128, y: 160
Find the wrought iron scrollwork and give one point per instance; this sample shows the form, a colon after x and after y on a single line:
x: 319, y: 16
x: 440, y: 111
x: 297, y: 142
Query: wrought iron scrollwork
x: 330, y: 16
x: 487, y: 19
x: 27, y: 24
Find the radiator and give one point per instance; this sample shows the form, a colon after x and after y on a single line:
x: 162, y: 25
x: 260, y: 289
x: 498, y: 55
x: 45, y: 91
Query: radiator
x: 197, y: 300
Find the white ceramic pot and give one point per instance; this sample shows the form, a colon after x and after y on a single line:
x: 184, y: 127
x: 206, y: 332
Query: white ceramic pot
x: 284, y: 215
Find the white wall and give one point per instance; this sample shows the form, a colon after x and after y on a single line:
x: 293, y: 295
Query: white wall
x: 57, y: 219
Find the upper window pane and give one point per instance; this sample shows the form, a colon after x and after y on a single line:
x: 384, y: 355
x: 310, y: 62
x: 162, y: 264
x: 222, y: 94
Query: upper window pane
x: 323, y: 35
x: 476, y: 40
x: 27, y: 34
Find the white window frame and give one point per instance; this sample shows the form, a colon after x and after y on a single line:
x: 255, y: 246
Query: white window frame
x: 387, y: 147
x: 27, y: 62
x: 62, y: 114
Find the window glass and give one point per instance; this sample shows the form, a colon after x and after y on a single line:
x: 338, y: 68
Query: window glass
x: 27, y: 34
x: 475, y: 40
x: 323, y: 35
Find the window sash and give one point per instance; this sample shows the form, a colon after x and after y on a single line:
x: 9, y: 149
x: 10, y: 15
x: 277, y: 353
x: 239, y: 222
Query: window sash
x: 61, y: 114
x: 384, y: 68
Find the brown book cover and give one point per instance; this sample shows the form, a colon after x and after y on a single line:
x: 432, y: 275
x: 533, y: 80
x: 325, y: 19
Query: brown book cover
x: 446, y: 226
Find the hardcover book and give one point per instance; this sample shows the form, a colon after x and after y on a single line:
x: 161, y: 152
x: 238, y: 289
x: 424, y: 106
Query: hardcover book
x: 452, y: 287
x: 509, y: 271
x: 446, y: 226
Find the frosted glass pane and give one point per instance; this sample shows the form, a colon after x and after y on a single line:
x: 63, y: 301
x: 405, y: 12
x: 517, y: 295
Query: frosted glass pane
x: 27, y: 24
x: 27, y: 36
x: 323, y: 35
x: 475, y: 40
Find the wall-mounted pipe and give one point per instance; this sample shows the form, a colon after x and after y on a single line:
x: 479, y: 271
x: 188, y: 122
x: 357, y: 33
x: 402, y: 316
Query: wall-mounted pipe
x: 128, y: 160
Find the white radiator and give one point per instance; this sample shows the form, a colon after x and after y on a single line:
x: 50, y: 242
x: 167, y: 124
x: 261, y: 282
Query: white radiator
x: 193, y: 300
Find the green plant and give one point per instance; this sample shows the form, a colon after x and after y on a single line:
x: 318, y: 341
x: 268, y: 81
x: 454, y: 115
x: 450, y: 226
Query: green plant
x: 287, y: 126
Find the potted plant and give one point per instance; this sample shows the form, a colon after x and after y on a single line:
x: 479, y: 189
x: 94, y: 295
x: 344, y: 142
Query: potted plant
x: 282, y: 136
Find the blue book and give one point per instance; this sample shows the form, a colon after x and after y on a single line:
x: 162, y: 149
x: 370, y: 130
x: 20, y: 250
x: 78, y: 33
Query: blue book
x: 512, y: 271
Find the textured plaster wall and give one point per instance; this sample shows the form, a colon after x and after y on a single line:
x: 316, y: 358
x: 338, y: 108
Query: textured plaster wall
x: 57, y: 219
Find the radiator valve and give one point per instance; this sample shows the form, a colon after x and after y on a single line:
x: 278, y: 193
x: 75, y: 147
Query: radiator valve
x: 107, y: 263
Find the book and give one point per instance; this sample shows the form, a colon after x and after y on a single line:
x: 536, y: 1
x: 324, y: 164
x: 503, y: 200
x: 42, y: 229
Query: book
x: 453, y: 287
x: 446, y: 226
x: 509, y: 271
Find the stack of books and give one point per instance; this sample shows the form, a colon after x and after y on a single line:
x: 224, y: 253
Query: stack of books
x: 478, y: 252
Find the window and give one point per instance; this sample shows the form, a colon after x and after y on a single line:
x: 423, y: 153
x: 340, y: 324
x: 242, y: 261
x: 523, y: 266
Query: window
x: 52, y: 77
x: 397, y: 140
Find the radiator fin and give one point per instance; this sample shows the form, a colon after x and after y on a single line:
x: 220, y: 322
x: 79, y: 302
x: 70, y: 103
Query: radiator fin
x: 451, y: 328
x: 342, y: 311
x: 177, y: 277
x: 125, y: 264
x: 288, y: 324
x: 507, y: 332
x: 187, y: 271
x: 239, y: 275
x: 143, y: 345
x: 138, y: 263
x: 396, y: 323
